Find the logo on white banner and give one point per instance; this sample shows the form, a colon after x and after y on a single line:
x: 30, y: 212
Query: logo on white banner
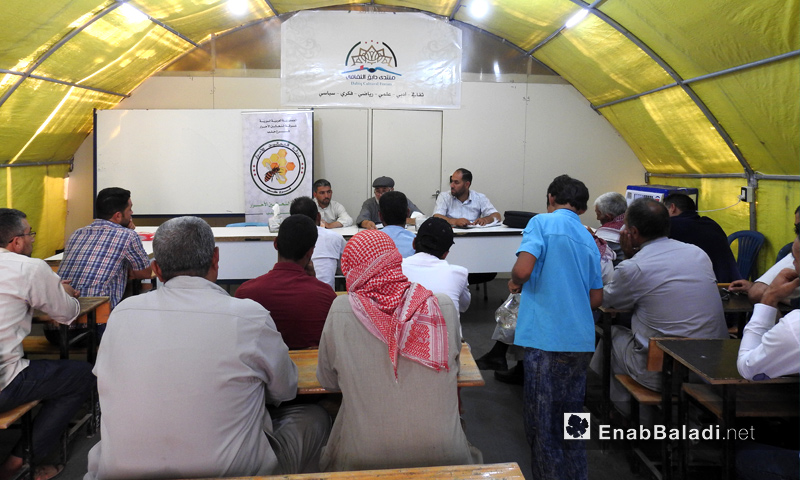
x: 365, y: 62
x: 278, y: 167
x: 577, y: 426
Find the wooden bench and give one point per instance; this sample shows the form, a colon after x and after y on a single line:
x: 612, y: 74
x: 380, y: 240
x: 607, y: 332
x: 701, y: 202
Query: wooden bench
x: 505, y: 471
x: 307, y: 384
x: 7, y: 419
x: 39, y: 345
x: 644, y: 396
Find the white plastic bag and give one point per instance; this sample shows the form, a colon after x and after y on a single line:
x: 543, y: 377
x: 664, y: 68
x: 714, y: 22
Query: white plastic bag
x: 506, y: 318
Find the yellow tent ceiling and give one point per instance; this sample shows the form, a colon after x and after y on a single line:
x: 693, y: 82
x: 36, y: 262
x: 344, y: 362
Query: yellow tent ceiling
x: 708, y: 88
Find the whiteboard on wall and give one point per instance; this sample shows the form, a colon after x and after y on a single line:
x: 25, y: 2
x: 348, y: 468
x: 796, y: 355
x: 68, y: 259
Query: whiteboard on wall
x: 174, y: 162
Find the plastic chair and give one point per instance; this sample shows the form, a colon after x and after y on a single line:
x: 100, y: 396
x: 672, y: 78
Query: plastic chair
x: 785, y: 250
x: 248, y: 224
x: 750, y: 243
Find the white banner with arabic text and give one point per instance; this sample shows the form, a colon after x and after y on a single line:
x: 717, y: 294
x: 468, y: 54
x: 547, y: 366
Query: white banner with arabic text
x: 370, y: 60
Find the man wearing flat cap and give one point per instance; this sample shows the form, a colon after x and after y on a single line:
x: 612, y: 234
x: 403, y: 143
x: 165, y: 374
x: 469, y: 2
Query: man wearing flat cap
x: 368, y: 216
x: 429, y: 268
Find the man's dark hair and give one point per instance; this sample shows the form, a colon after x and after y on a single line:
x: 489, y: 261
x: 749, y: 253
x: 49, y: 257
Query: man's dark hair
x: 684, y: 202
x: 796, y: 210
x: 10, y: 225
x: 184, y: 246
x: 569, y: 191
x: 321, y: 183
x: 466, y: 175
x: 434, y: 236
x: 796, y: 230
x: 110, y: 201
x: 650, y: 217
x: 304, y: 206
x: 296, y: 236
x: 394, y: 208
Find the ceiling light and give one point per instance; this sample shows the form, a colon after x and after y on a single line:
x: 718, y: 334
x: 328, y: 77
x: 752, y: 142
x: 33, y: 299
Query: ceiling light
x: 478, y: 8
x: 496, y: 69
x: 132, y: 14
x: 238, y: 7
x: 576, y: 19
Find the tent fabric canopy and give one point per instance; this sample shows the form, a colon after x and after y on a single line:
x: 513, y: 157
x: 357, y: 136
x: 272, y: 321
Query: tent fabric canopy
x: 699, y: 88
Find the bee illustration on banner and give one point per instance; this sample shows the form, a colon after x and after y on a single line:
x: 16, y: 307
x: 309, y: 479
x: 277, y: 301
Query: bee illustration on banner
x: 271, y: 173
x: 277, y: 167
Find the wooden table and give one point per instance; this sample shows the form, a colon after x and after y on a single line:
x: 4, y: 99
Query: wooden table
x: 714, y: 361
x: 307, y: 383
x: 88, y: 315
x: 498, y: 471
x: 248, y: 252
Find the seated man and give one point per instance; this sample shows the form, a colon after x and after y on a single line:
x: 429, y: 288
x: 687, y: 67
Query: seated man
x: 393, y: 213
x: 296, y: 300
x: 669, y: 285
x: 333, y: 213
x: 400, y: 401
x: 610, y: 211
x: 686, y: 226
x: 755, y: 290
x: 369, y: 215
x: 429, y: 268
x: 462, y: 207
x: 99, y: 258
x: 330, y: 245
x: 61, y: 385
x: 185, y: 374
x: 771, y: 349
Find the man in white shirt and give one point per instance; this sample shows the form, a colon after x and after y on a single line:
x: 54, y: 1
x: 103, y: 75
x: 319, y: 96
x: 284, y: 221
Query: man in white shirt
x: 461, y: 207
x: 61, y: 386
x: 755, y: 290
x: 328, y: 250
x: 771, y: 349
x: 429, y: 268
x: 332, y: 212
x: 185, y: 374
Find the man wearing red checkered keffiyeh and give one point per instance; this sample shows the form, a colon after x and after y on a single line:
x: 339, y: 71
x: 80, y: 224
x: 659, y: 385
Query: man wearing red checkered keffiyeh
x: 403, y: 315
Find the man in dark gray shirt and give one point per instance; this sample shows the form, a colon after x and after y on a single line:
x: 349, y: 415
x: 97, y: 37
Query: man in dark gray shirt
x: 368, y: 216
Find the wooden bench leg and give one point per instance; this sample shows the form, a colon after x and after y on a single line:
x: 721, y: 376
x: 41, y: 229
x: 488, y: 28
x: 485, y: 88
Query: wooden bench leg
x: 27, y: 452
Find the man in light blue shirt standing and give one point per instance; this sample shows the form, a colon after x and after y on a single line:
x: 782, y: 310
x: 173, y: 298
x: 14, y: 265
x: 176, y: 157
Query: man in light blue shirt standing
x: 558, y: 273
x: 393, y: 213
x: 462, y: 207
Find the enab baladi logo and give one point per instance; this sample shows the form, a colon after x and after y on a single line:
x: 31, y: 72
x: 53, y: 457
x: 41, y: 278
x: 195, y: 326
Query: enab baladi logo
x: 278, y: 167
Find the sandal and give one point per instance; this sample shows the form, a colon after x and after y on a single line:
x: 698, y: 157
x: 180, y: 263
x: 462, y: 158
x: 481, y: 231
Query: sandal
x: 48, y: 472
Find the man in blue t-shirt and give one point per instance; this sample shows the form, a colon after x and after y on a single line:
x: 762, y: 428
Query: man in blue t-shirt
x: 558, y: 273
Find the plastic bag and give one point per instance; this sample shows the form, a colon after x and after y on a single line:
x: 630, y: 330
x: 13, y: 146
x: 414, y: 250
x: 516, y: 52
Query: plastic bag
x: 506, y: 318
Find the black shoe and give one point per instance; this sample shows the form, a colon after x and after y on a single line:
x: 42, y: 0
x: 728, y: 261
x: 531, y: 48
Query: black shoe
x: 513, y: 376
x: 492, y: 362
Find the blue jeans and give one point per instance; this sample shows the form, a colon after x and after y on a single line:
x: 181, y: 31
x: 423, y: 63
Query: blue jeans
x: 61, y: 386
x: 555, y: 383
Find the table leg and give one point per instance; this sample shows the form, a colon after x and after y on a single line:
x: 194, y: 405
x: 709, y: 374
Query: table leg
x: 666, y: 412
x: 91, y: 346
x: 63, y: 341
x: 728, y: 421
x: 91, y: 357
x: 606, y: 377
x: 683, y: 419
